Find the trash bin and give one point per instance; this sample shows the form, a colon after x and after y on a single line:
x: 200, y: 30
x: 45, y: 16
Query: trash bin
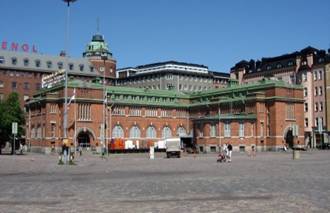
x: 296, y: 154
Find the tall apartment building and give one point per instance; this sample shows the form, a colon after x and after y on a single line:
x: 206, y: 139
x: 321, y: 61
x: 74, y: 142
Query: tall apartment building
x: 306, y: 67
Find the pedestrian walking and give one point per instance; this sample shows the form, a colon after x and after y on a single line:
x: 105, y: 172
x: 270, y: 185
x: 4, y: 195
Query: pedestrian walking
x: 230, y: 149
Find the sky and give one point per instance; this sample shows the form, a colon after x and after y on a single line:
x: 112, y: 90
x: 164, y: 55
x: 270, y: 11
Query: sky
x: 215, y: 33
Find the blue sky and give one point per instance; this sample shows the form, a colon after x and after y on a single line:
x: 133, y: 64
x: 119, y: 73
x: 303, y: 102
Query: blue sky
x: 211, y: 32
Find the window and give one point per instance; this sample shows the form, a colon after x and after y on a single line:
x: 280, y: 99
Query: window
x: 91, y: 69
x: 2, y: 60
x: 84, y: 112
x: 321, y: 106
x: 306, y: 122
x: 320, y: 74
x: 151, y: 132
x: 315, y: 91
x: 151, y: 112
x: 241, y: 130
x: 290, y: 111
x: 71, y: 66
x: 227, y: 130
x: 14, y: 85
x: 53, y: 108
x: 38, y: 63
x: 213, y: 131
x: 304, y: 76
x: 26, y: 85
x: 52, y: 130
x: 135, y: 132
x: 60, y: 65
x: 81, y: 67
x: 278, y: 66
x: 304, y: 63
x: 305, y: 107
x: 316, y: 122
x: 268, y: 67
x: 315, y: 75
x: 135, y: 111
x: 290, y: 63
x: 39, y: 131
x: 26, y: 62
x: 117, y: 132
x: 2, y: 97
x: 316, y: 107
x: 49, y: 64
x: 167, y: 132
x: 118, y: 111
x: 166, y: 113
x: 14, y: 61
x: 2, y: 84
x: 181, y: 131
x: 320, y: 91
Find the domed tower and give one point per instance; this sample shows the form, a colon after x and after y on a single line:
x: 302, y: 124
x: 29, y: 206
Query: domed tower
x: 99, y: 54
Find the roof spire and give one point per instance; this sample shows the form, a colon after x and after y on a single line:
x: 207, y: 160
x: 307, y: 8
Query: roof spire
x: 98, y: 25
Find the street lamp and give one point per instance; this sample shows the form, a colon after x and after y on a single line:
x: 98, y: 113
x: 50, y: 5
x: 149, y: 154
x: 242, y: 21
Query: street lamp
x: 65, y: 115
x: 104, y: 57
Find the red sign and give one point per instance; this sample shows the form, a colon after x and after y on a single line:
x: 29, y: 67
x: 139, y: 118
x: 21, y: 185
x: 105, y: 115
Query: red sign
x: 14, y: 46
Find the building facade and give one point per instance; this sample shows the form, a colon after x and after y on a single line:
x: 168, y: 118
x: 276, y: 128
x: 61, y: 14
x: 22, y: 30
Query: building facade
x: 172, y: 75
x: 305, y: 67
x: 265, y: 114
x: 22, y: 72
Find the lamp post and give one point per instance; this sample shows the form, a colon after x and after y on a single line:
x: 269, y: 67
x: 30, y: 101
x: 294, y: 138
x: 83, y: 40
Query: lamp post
x: 104, y: 57
x: 65, y: 115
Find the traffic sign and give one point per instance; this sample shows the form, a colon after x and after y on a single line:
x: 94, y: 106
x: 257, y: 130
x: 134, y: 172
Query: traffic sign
x: 14, y: 128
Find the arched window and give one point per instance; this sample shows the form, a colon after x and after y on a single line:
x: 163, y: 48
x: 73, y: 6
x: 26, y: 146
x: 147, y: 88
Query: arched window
x: 167, y: 132
x: 151, y: 132
x: 117, y: 132
x: 135, y: 132
x: 181, y: 131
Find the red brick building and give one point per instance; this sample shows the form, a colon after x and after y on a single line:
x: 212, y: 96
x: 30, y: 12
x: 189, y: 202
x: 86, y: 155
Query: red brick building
x: 265, y: 114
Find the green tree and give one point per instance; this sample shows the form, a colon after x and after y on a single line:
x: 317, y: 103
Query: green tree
x: 10, y: 111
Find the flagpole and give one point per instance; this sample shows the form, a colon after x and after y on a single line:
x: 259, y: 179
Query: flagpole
x: 75, y: 124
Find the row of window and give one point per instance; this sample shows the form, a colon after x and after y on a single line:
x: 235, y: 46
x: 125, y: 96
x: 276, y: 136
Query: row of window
x: 227, y: 130
x: 318, y: 107
x: 49, y: 64
x: 26, y: 85
x: 135, y: 132
x: 317, y: 122
x: 318, y: 91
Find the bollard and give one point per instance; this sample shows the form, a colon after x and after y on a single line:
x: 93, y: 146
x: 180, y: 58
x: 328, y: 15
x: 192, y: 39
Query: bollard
x: 296, y: 154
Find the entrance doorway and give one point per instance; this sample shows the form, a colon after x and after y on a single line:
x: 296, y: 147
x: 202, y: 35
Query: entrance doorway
x: 83, y: 139
x: 289, y: 138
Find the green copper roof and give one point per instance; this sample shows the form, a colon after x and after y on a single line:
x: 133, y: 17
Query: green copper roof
x: 97, y: 47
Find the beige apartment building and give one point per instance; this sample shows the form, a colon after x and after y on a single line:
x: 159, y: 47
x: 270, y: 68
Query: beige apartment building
x: 308, y: 67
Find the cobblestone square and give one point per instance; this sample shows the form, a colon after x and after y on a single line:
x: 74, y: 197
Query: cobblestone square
x: 270, y: 182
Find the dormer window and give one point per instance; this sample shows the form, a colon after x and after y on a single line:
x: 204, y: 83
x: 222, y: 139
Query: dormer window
x: 278, y: 66
x: 290, y: 63
x: 60, y: 65
x: 71, y: 66
x: 268, y: 67
x: 26, y: 62
x: 14, y: 61
x: 49, y: 64
x: 38, y: 63
x: 81, y: 67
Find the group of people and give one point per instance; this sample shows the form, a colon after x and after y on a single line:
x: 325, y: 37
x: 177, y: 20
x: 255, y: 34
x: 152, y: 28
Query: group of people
x: 227, y: 150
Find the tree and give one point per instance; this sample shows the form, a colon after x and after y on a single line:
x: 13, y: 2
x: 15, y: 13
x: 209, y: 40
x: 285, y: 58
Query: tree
x: 10, y: 111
